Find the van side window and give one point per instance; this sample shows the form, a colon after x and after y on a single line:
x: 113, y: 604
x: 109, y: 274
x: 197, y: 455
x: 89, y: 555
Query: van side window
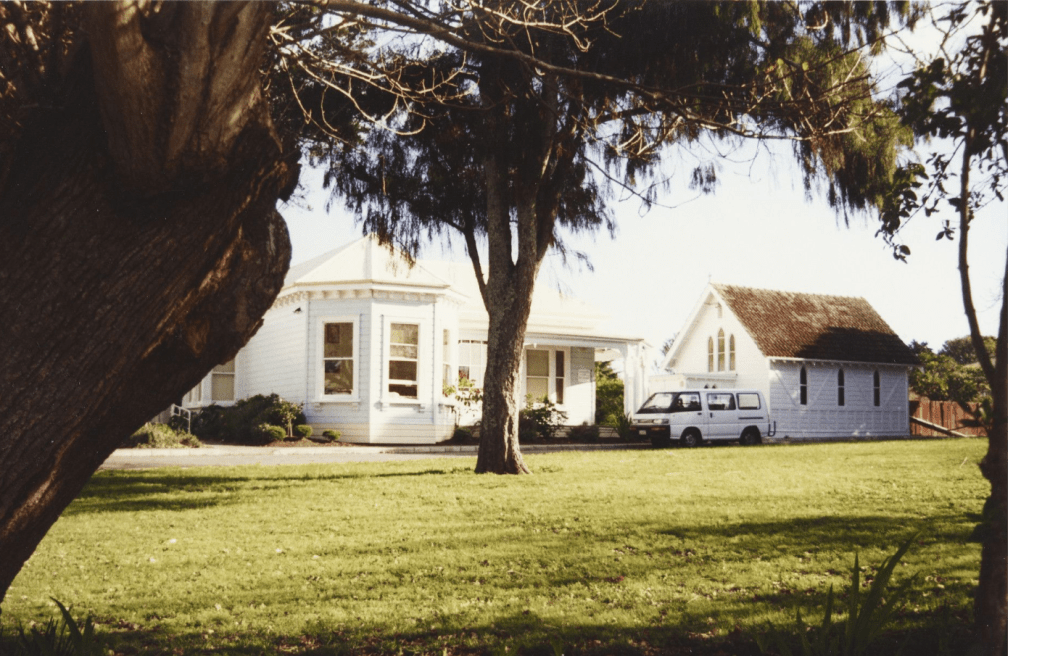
x: 686, y: 402
x: 749, y: 401
x: 721, y: 402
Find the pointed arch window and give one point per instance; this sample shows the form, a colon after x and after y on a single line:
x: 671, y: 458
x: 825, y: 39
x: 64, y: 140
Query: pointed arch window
x: 710, y: 353
x: 803, y: 387
x: 876, y: 385
x: 842, y: 387
x: 732, y: 352
x: 721, y: 350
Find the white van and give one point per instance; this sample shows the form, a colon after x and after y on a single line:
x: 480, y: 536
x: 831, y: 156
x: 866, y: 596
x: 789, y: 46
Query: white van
x: 688, y: 417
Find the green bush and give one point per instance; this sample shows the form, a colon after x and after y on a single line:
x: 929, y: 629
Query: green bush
x: 622, y: 424
x: 584, y: 434
x: 160, y: 436
x: 608, y: 394
x: 538, y: 420
x: 332, y: 435
x: 237, y: 424
x: 266, y: 433
x: 304, y: 430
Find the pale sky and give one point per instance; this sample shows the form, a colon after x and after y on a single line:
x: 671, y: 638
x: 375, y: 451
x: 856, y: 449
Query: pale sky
x: 756, y: 230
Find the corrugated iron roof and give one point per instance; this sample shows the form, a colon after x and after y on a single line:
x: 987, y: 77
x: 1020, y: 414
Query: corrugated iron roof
x: 815, y: 326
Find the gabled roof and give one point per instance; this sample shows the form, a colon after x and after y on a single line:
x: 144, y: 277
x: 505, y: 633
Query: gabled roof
x: 814, y: 326
x: 363, y: 262
x: 367, y: 263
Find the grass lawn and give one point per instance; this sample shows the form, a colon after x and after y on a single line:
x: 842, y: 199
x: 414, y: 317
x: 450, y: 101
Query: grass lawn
x: 656, y: 550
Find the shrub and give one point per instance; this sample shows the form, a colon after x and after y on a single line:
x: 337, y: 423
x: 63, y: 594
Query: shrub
x: 608, y: 394
x: 584, y: 434
x: 332, y: 435
x: 866, y: 617
x: 160, y: 436
x: 622, y: 424
x: 65, y: 638
x: 266, y: 433
x: 538, y: 420
x: 237, y: 424
x: 304, y: 430
x: 463, y: 436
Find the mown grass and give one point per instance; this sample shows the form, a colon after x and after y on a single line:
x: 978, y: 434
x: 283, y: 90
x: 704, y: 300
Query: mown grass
x: 664, y: 550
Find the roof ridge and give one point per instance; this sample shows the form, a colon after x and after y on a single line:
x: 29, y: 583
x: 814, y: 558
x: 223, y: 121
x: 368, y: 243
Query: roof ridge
x: 783, y: 291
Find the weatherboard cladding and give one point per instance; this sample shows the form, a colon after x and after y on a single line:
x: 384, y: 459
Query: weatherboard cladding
x: 815, y: 327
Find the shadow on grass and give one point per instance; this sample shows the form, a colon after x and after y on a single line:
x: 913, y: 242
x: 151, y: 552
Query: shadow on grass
x: 942, y: 631
x: 171, y: 490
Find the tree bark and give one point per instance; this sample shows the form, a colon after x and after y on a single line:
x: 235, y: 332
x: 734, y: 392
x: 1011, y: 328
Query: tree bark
x: 991, y: 603
x: 140, y: 244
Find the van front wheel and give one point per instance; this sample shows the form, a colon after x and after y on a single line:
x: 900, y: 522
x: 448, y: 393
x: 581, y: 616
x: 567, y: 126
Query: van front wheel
x: 690, y: 438
x: 750, y: 436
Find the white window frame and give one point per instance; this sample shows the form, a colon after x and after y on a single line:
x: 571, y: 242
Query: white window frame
x: 552, y: 372
x: 355, y: 321
x: 422, y: 355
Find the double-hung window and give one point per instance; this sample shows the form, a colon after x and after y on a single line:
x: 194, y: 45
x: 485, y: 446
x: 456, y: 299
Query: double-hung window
x: 338, y: 357
x: 403, y: 362
x: 446, y: 359
x: 222, y: 382
x: 472, y: 355
x: 545, y: 374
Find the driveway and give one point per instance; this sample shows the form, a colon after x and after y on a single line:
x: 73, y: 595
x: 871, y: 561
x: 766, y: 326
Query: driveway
x: 229, y: 456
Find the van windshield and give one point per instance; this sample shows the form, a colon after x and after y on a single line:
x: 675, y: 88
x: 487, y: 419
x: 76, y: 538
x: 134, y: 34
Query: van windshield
x: 658, y: 402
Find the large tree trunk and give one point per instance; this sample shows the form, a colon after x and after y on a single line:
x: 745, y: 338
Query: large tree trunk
x: 990, y: 604
x: 499, y: 450
x: 140, y: 243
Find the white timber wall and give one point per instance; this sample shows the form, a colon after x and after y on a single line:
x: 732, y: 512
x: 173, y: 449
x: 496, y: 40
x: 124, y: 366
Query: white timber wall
x: 274, y: 360
x: 822, y: 416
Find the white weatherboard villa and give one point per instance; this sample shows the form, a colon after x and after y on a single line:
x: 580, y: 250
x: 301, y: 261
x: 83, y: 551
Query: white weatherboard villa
x: 829, y: 365
x: 369, y: 344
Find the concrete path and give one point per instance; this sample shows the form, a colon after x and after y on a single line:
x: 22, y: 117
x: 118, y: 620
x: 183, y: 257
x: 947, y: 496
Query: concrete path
x: 228, y: 456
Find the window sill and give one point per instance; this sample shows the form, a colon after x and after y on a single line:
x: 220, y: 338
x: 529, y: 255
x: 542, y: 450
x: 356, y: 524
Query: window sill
x: 353, y: 401
x: 394, y: 402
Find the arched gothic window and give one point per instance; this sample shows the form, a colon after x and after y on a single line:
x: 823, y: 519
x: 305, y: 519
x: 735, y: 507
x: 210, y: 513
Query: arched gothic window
x: 732, y: 352
x: 721, y: 350
x: 710, y: 353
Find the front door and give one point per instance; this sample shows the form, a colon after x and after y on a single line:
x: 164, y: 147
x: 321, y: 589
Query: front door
x: 686, y: 412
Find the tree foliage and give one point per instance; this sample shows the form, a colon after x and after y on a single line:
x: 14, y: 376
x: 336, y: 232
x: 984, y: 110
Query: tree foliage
x: 959, y: 99
x: 942, y: 378
x: 508, y: 123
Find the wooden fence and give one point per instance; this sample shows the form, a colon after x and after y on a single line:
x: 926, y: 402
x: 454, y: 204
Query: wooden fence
x: 948, y: 414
